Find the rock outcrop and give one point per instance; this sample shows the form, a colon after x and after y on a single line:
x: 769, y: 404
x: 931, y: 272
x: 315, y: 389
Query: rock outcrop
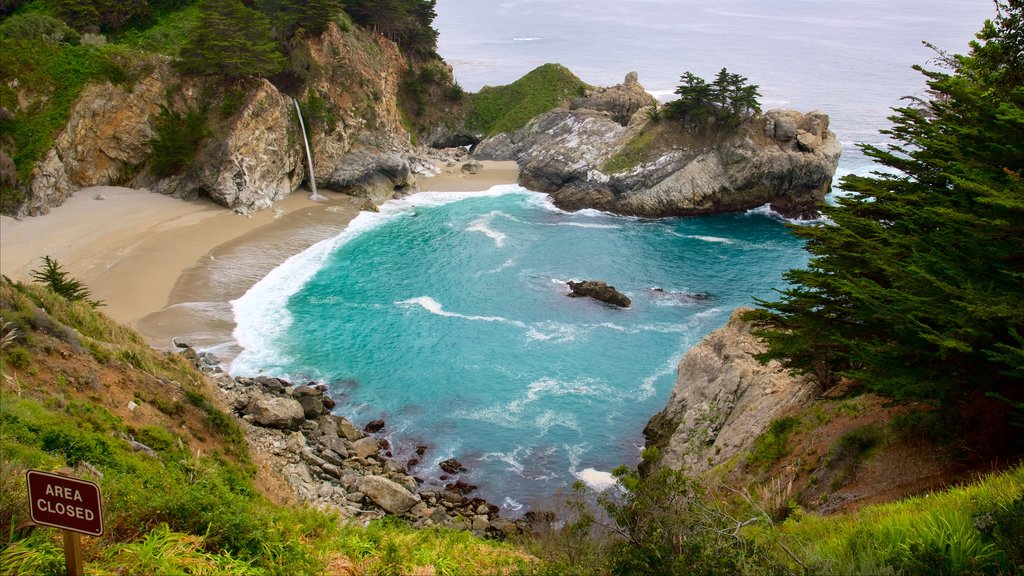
x: 254, y: 163
x: 599, y: 291
x: 621, y: 101
x: 253, y: 154
x: 723, y: 400
x: 588, y: 158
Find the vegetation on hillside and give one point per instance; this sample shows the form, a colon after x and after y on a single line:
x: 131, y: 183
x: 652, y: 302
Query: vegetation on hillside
x: 187, y: 502
x: 915, y: 291
x: 219, y: 45
x: 507, y: 108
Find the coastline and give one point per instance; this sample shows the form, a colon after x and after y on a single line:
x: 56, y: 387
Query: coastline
x: 168, y: 267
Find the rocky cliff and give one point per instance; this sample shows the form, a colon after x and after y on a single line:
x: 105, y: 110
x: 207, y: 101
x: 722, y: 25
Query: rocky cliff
x: 253, y: 152
x: 609, y: 151
x: 723, y: 399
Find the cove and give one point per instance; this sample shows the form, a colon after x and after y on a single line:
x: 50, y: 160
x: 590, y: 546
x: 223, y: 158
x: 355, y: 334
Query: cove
x: 446, y: 314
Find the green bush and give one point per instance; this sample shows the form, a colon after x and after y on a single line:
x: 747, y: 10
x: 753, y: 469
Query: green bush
x: 671, y: 527
x: 18, y: 357
x: 35, y: 26
x: 177, y: 141
x: 772, y: 445
x: 77, y: 446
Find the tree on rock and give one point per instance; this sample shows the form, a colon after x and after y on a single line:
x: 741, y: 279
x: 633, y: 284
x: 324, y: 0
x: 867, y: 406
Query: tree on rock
x: 231, y: 40
x: 727, y: 101
x: 916, y: 290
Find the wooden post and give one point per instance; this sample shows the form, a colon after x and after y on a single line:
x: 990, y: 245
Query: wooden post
x: 73, y: 553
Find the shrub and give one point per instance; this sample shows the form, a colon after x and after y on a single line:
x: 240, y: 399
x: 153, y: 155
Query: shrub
x: 771, y: 445
x: 77, y: 446
x: 177, y: 140
x: 670, y: 527
x: 19, y: 357
x: 34, y: 26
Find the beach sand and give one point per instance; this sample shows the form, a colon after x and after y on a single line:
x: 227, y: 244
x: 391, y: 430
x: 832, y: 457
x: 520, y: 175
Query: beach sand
x: 168, y: 267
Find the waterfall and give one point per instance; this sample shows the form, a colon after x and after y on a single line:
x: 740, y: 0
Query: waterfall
x: 309, y: 157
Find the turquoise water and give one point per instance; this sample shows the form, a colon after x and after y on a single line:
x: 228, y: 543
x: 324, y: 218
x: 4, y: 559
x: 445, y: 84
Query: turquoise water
x: 447, y: 315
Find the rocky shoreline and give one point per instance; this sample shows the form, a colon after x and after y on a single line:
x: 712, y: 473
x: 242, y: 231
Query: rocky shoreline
x: 332, y: 464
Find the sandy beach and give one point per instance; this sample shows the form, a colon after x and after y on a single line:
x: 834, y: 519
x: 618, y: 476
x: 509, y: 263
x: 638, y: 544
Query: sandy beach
x: 168, y: 267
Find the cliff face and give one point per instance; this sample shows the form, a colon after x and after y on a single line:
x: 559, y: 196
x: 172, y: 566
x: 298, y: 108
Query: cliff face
x: 723, y: 399
x: 589, y: 157
x: 254, y: 152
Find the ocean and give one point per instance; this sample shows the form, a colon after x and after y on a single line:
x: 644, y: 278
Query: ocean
x: 446, y: 314
x: 849, y: 58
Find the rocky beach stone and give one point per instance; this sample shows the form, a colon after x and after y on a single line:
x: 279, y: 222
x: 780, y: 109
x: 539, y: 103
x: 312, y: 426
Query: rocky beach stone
x: 283, y: 413
x: 391, y: 496
x: 452, y: 466
x: 621, y: 101
x: 366, y: 447
x: 374, y: 426
x: 472, y: 167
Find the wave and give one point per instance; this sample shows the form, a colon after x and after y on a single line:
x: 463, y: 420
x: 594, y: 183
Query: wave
x: 767, y: 211
x: 261, y: 315
x: 552, y: 332
x: 549, y: 419
x: 586, y: 225
x: 647, y: 388
x: 526, y: 39
x: 504, y: 266
x: 434, y: 307
x: 482, y: 224
x: 596, y: 479
x: 713, y: 239
x: 213, y: 310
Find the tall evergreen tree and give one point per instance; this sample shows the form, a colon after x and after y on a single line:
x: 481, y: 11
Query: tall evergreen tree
x: 916, y: 290
x: 231, y: 40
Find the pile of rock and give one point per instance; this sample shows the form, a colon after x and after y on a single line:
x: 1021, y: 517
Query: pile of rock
x: 332, y: 464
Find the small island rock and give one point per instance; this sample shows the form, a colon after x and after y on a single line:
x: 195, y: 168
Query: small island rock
x: 599, y: 291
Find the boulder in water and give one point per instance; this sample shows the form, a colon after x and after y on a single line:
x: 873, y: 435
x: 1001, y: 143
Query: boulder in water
x: 599, y: 291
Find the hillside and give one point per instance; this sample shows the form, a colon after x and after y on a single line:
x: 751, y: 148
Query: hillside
x: 183, y: 490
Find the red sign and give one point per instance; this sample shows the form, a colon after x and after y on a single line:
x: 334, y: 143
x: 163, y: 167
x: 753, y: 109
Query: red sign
x: 64, y: 502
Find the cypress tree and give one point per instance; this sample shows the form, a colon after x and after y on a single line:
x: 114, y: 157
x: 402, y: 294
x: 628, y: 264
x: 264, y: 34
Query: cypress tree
x: 916, y: 289
x: 231, y: 40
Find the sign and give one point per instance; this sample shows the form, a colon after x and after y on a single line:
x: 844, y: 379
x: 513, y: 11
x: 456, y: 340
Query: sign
x: 63, y: 502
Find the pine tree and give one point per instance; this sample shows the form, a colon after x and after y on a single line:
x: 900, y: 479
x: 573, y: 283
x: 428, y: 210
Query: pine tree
x: 62, y: 284
x: 916, y: 289
x: 728, y: 100
x: 232, y: 41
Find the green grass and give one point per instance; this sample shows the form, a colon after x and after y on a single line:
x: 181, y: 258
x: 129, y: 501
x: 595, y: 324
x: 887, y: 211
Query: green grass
x: 972, y: 529
x: 632, y: 154
x: 507, y: 108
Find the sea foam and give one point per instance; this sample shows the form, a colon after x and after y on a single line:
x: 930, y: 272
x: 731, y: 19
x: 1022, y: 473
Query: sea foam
x: 261, y: 315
